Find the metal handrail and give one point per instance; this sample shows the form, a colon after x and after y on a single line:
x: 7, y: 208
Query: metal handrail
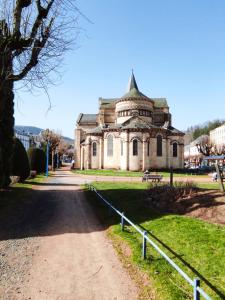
x: 197, y: 291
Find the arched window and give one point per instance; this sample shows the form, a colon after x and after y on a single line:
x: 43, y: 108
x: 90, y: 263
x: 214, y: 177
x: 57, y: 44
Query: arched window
x: 110, y: 145
x: 159, y: 145
x: 174, y: 149
x: 121, y: 147
x: 148, y: 148
x: 94, y: 149
x: 135, y: 147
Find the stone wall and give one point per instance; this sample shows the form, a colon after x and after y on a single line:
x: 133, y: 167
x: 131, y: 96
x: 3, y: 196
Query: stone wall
x: 112, y: 162
x: 133, y: 105
x: 95, y: 159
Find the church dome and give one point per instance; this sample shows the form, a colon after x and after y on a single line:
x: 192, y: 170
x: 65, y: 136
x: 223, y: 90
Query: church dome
x: 133, y: 103
x: 132, y: 90
x: 134, y: 93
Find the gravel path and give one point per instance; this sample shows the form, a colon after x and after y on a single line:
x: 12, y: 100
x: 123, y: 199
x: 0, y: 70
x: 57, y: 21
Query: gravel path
x: 90, y: 178
x: 57, y: 249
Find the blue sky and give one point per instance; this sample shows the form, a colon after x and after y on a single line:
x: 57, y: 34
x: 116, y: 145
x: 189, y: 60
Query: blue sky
x: 176, y: 48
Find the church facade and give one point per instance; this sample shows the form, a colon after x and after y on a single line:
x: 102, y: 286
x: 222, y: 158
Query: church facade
x: 133, y: 132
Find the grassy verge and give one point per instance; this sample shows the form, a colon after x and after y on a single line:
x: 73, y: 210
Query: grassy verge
x: 128, y: 173
x: 196, y: 246
x: 28, y: 183
x: 209, y: 186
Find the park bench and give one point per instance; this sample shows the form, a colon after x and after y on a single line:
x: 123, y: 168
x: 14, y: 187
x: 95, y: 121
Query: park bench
x: 152, y: 177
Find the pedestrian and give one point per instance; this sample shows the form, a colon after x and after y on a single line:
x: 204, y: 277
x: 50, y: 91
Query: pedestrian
x: 214, y: 176
x: 72, y: 165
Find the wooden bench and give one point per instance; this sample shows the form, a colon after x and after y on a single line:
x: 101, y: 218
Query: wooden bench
x: 152, y: 177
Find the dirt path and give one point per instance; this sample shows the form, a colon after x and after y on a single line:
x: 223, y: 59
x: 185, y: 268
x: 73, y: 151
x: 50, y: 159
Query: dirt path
x: 73, y: 259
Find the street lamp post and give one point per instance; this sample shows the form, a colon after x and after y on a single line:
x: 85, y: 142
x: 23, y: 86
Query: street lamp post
x: 57, y: 161
x: 47, y: 151
x: 47, y: 158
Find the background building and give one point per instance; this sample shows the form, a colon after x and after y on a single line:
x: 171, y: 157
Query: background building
x: 133, y: 132
x: 217, y: 136
x: 192, y: 156
x: 25, y: 138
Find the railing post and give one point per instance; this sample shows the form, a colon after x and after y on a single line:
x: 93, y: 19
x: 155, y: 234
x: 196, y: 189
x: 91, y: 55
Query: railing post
x: 171, y: 176
x: 144, y: 245
x: 122, y: 222
x: 196, y: 292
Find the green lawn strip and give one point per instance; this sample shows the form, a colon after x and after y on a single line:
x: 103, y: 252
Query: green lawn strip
x: 196, y: 246
x: 209, y: 186
x: 28, y: 183
x: 129, y: 173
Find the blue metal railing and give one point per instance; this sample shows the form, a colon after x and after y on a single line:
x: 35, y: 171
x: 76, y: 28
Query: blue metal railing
x: 197, y: 291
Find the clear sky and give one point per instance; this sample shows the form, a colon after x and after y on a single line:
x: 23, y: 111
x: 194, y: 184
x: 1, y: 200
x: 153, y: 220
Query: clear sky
x: 176, y: 48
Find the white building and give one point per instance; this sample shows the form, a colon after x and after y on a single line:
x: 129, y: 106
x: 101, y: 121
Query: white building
x: 24, y: 138
x: 133, y: 132
x: 217, y: 136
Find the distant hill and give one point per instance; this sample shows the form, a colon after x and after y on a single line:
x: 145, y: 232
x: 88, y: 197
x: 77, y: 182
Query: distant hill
x: 36, y: 131
x: 28, y: 129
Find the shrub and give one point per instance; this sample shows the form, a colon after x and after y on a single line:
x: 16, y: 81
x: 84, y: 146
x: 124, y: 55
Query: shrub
x: 37, y: 160
x: 173, y: 193
x: 165, y: 197
x: 19, y: 161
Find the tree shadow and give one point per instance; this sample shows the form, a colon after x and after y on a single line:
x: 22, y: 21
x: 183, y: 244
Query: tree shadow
x: 205, y: 204
x: 180, y: 258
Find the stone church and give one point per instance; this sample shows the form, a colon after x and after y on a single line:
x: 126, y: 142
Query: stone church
x: 133, y: 132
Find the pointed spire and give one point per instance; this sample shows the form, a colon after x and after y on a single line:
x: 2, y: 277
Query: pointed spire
x: 132, y: 84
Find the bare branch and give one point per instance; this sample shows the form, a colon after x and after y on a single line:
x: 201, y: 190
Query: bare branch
x: 20, y: 4
x: 36, y: 34
x: 38, y: 46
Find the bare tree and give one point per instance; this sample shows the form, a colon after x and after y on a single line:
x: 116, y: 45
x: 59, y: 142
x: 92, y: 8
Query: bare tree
x: 54, y: 139
x: 34, y: 35
x: 210, y: 149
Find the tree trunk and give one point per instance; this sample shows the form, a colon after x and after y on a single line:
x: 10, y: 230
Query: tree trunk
x: 6, y: 119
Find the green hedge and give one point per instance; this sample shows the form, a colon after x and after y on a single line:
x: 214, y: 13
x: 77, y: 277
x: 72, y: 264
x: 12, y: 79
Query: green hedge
x: 19, y: 161
x: 37, y: 160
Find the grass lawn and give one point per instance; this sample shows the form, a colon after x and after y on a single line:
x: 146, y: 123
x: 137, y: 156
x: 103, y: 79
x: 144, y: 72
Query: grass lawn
x: 209, y: 186
x: 196, y: 246
x: 127, y: 173
x: 28, y: 183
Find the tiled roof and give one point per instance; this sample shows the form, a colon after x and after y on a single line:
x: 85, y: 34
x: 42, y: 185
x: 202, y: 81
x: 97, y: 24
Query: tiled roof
x: 160, y: 102
x: 87, y: 118
x: 137, y: 122
x: 134, y: 122
x: 174, y: 130
x: 108, y: 103
x: 95, y: 130
x: 134, y: 93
